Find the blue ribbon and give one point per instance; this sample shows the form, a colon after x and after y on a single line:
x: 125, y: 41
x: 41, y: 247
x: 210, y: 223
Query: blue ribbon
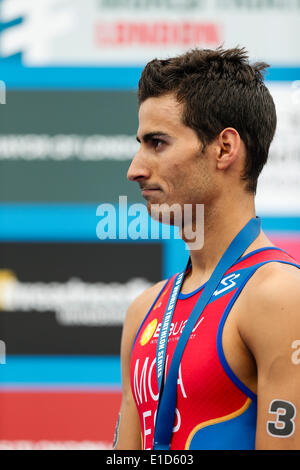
x: 165, y: 329
x: 168, y: 393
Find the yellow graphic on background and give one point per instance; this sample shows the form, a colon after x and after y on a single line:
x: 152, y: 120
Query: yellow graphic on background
x: 148, y: 332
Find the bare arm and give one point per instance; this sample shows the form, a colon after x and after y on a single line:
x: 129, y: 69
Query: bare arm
x: 129, y: 430
x: 273, y: 335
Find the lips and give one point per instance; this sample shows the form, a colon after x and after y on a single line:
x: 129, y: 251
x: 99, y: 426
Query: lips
x: 149, y: 188
x: 149, y: 191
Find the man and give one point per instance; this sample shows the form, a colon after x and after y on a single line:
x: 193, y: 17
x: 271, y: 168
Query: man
x: 206, y: 121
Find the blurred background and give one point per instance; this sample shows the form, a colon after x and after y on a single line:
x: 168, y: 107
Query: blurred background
x: 69, y: 71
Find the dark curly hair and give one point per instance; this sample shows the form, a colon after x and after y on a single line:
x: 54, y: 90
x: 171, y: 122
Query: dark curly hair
x: 218, y: 89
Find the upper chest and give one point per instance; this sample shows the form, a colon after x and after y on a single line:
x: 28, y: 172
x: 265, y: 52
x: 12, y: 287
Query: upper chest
x: 215, y: 333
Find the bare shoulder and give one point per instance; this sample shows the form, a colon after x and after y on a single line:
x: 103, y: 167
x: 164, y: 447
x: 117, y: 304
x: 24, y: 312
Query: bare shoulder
x: 272, y: 282
x: 129, y: 435
x: 273, y: 279
x: 270, y: 305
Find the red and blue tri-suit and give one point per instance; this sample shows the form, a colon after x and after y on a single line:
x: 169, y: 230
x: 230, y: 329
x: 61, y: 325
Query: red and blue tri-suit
x: 214, y: 409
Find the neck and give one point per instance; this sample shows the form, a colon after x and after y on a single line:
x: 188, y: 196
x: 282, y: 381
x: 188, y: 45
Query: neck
x: 220, y: 228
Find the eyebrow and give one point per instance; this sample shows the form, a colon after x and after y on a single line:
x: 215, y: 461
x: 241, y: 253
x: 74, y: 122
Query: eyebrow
x: 150, y: 135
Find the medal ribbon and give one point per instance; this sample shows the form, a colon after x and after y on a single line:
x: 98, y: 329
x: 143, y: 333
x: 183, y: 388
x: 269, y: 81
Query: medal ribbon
x: 168, y: 392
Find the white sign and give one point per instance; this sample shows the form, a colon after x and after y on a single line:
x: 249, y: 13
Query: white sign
x: 279, y: 184
x: 132, y: 32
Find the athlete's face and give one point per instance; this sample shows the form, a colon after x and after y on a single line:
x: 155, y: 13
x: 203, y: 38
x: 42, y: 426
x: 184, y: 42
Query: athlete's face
x: 170, y: 166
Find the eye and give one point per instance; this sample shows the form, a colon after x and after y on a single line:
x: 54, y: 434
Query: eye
x: 157, y: 143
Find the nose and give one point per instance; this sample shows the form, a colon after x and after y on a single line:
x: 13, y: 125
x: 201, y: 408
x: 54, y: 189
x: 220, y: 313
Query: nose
x: 138, y: 170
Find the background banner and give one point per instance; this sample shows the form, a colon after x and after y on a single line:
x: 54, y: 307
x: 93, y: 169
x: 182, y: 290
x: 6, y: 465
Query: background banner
x: 68, y: 77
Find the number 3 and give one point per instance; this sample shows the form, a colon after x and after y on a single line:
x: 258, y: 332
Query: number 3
x: 284, y: 425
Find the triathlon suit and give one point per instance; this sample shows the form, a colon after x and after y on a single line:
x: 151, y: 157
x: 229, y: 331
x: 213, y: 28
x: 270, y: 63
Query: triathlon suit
x: 214, y: 409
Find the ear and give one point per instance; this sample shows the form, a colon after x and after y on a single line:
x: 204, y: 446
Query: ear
x: 229, y: 143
